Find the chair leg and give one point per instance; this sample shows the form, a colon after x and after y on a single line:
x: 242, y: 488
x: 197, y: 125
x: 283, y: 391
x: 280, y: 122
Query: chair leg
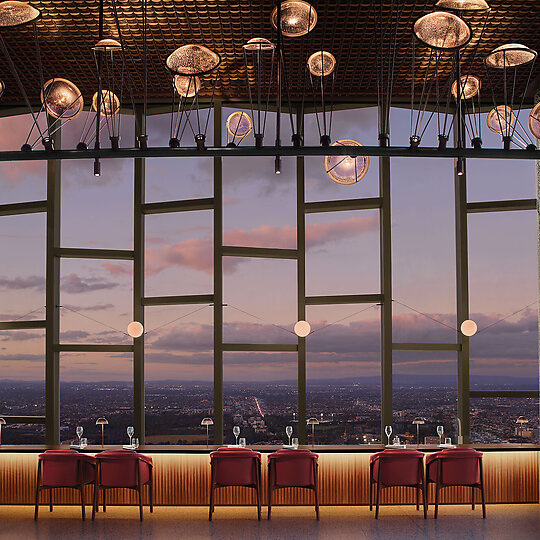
x: 38, y: 491
x: 211, y: 506
x: 472, y: 497
x: 377, y: 500
x: 316, y: 489
x: 139, y: 489
x: 103, y: 490
x: 95, y: 502
x: 258, y: 490
x: 82, y: 502
x: 418, y: 497
x: 483, y: 501
x: 424, y: 498
x: 370, y: 495
x: 50, y: 499
x: 151, y: 495
x: 437, y: 488
x: 269, y: 500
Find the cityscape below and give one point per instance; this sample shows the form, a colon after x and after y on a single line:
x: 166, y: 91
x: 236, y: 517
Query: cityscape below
x: 347, y: 413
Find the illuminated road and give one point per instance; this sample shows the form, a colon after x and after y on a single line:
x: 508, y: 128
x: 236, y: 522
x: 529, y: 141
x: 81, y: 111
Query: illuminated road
x: 258, y: 406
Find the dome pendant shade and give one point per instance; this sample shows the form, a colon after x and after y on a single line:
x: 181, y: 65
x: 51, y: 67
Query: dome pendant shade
x: 259, y: 44
x: 193, y: 60
x: 16, y: 13
x: 62, y: 99
x: 534, y: 121
x: 346, y: 169
x: 442, y: 30
x: 297, y: 18
x: 239, y: 124
x: 500, y: 119
x: 321, y: 63
x: 107, y: 45
x: 463, y: 5
x: 187, y: 86
x: 510, y: 55
x: 110, y: 104
x: 470, y: 86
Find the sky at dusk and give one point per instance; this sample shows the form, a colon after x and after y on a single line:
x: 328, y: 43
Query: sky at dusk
x: 260, y: 210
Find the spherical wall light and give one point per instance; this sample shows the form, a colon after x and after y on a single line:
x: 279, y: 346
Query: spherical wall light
x: 321, y: 63
x: 239, y: 124
x: 110, y: 104
x: 463, y: 5
x: 297, y: 18
x: 16, y: 13
x: 510, y: 55
x: 534, y: 121
x: 187, y: 86
x: 468, y: 328
x: 442, y: 30
x: 193, y: 60
x: 62, y: 98
x: 302, y: 329
x: 346, y: 169
x: 470, y: 86
x: 135, y: 329
x: 500, y: 119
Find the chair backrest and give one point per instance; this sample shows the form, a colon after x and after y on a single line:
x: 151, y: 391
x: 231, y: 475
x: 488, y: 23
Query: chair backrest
x: 235, y: 466
x: 398, y: 467
x: 458, y: 466
x: 64, y: 468
x: 292, y: 467
x: 123, y: 468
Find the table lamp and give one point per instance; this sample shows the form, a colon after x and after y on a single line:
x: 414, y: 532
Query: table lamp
x: 102, y: 422
x: 207, y: 422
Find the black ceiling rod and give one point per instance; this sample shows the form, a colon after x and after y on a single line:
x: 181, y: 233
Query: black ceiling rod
x: 279, y: 46
x: 143, y: 137
x: 97, y: 164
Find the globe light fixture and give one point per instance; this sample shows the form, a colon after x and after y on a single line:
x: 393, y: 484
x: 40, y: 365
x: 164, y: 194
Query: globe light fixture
x: 534, y: 121
x: 302, y: 329
x: 470, y: 86
x: 510, y: 55
x: 442, y: 30
x: 135, y: 329
x: 62, y: 99
x: 463, y: 5
x: 186, y: 86
x: 500, y: 119
x: 207, y: 422
x: 239, y: 125
x: 346, y: 170
x: 2, y: 423
x: 110, y: 104
x: 102, y: 421
x: 469, y: 328
x: 321, y: 63
x: 17, y: 13
x: 193, y: 60
x: 297, y: 18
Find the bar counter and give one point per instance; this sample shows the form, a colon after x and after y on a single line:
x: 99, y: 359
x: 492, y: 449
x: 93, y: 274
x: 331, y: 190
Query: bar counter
x: 182, y: 476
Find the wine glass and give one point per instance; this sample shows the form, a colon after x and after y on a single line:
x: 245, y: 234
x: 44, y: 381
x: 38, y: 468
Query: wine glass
x: 288, y: 431
x: 236, y: 432
x: 79, y: 431
x: 130, y: 431
x: 388, y: 431
x: 440, y: 433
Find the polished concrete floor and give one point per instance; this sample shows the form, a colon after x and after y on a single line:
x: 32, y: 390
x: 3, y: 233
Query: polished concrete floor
x: 504, y: 522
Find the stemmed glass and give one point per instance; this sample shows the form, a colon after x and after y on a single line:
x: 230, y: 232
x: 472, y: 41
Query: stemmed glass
x: 288, y: 431
x: 236, y: 432
x: 79, y: 431
x: 130, y: 431
x: 440, y: 433
x: 388, y: 431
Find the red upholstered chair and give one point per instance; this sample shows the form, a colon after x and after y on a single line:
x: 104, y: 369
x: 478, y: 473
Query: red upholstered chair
x: 123, y: 469
x: 293, y: 468
x: 397, y: 468
x: 64, y: 469
x: 235, y: 467
x: 456, y: 467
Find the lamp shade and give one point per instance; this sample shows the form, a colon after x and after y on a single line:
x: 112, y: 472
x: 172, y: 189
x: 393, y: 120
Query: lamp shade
x: 463, y: 5
x: 510, y: 55
x: 419, y: 421
x: 470, y: 86
x: 500, y: 118
x: 321, y: 63
x: 534, y: 121
x: 193, y: 60
x: 522, y: 420
x: 102, y: 421
x: 239, y: 124
x: 107, y: 45
x: 297, y: 18
x: 110, y: 104
x: 2, y: 421
x: 187, y: 86
x: 62, y: 98
x: 2, y: 88
x: 135, y: 329
x: 442, y: 30
x: 16, y: 13
x: 468, y: 328
x: 312, y: 421
x: 259, y: 44
x: 207, y: 422
x: 302, y: 329
x: 346, y: 169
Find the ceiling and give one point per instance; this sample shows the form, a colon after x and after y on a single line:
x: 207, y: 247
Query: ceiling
x: 348, y: 28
